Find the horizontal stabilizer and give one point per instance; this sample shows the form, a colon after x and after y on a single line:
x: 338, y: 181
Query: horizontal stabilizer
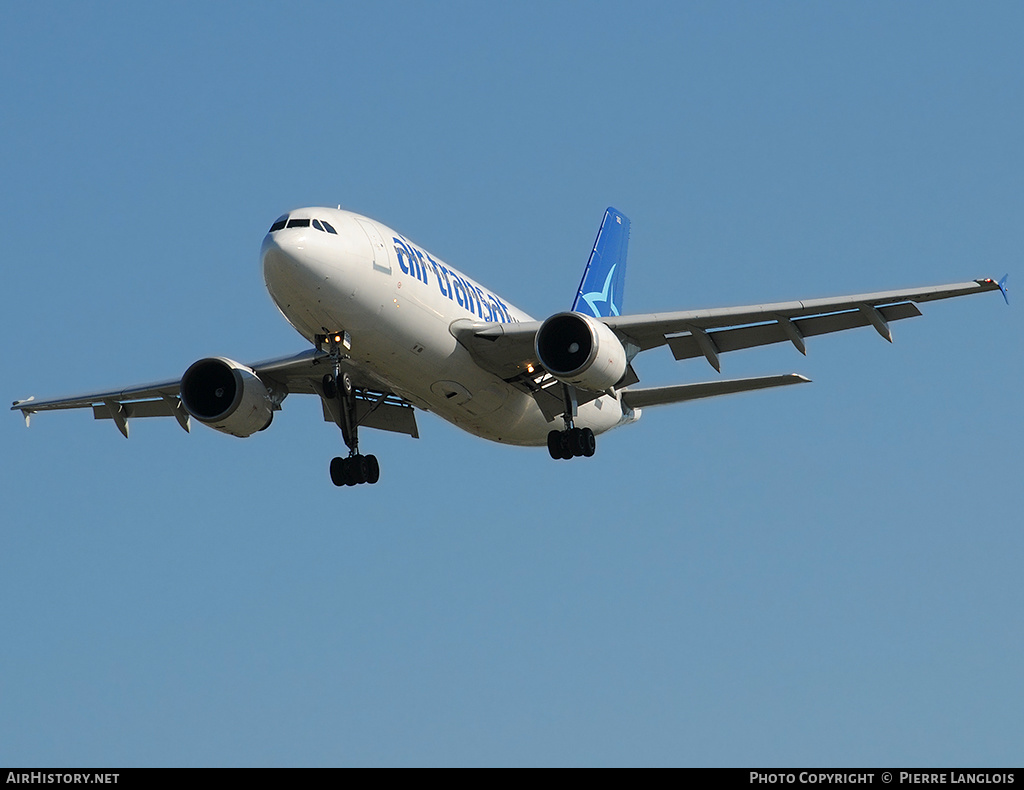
x: 655, y: 396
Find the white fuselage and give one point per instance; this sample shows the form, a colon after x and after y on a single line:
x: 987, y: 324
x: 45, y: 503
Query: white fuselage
x: 397, y: 302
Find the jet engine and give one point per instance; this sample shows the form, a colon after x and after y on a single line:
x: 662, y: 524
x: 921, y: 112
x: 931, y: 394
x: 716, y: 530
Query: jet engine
x: 580, y: 350
x: 227, y: 396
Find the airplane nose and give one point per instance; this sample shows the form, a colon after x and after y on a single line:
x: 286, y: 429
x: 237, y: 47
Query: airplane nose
x: 295, y: 279
x: 288, y: 263
x: 290, y: 272
x: 277, y: 263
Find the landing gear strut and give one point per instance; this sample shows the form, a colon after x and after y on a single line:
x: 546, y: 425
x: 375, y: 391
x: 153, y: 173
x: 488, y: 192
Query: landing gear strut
x: 573, y: 442
x: 356, y: 468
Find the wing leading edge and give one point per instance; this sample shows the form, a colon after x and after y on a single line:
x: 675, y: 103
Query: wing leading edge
x: 507, y: 349
x: 710, y: 332
x: 377, y: 406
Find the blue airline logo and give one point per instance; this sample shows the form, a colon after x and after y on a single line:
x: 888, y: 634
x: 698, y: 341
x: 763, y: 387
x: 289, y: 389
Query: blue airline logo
x: 417, y: 263
x: 604, y: 295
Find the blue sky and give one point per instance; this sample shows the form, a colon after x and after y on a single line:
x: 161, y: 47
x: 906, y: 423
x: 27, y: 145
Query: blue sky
x: 820, y: 575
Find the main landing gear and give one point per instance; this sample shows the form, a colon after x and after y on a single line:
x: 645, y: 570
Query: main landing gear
x: 572, y: 443
x: 356, y: 468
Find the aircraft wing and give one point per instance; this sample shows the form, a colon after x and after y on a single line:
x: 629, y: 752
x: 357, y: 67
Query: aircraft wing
x: 507, y: 349
x: 301, y: 373
x: 708, y: 333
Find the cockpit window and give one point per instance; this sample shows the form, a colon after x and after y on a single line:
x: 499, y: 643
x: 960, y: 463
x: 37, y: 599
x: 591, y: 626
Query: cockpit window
x: 321, y: 225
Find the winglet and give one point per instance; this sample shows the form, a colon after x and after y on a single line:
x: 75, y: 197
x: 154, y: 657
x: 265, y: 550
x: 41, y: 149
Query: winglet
x: 988, y: 284
x: 600, y: 291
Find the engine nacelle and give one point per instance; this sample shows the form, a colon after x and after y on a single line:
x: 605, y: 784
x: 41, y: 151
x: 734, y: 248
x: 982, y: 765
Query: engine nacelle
x: 581, y: 351
x: 227, y: 396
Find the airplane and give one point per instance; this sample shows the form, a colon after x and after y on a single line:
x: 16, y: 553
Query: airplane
x: 393, y: 328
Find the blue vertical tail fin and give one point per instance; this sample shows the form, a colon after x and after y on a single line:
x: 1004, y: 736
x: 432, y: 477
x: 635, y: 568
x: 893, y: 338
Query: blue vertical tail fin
x: 604, y: 279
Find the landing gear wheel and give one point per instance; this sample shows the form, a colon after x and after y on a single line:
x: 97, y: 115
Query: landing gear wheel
x: 354, y: 470
x: 589, y: 443
x: 576, y: 441
x: 330, y: 387
x: 565, y: 445
x: 555, y: 444
x: 372, y: 469
x: 338, y: 475
x: 572, y: 443
x: 357, y: 464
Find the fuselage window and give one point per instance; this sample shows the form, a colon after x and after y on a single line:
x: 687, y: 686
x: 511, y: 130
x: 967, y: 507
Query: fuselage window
x: 328, y: 228
x: 298, y: 223
x: 317, y: 225
x: 279, y: 223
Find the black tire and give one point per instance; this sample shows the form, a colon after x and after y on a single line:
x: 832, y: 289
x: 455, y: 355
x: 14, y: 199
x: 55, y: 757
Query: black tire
x: 576, y: 442
x: 359, y: 469
x: 555, y: 445
x: 330, y: 388
x: 345, y: 384
x: 589, y: 443
x: 338, y: 476
x: 565, y: 444
x: 372, y: 469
